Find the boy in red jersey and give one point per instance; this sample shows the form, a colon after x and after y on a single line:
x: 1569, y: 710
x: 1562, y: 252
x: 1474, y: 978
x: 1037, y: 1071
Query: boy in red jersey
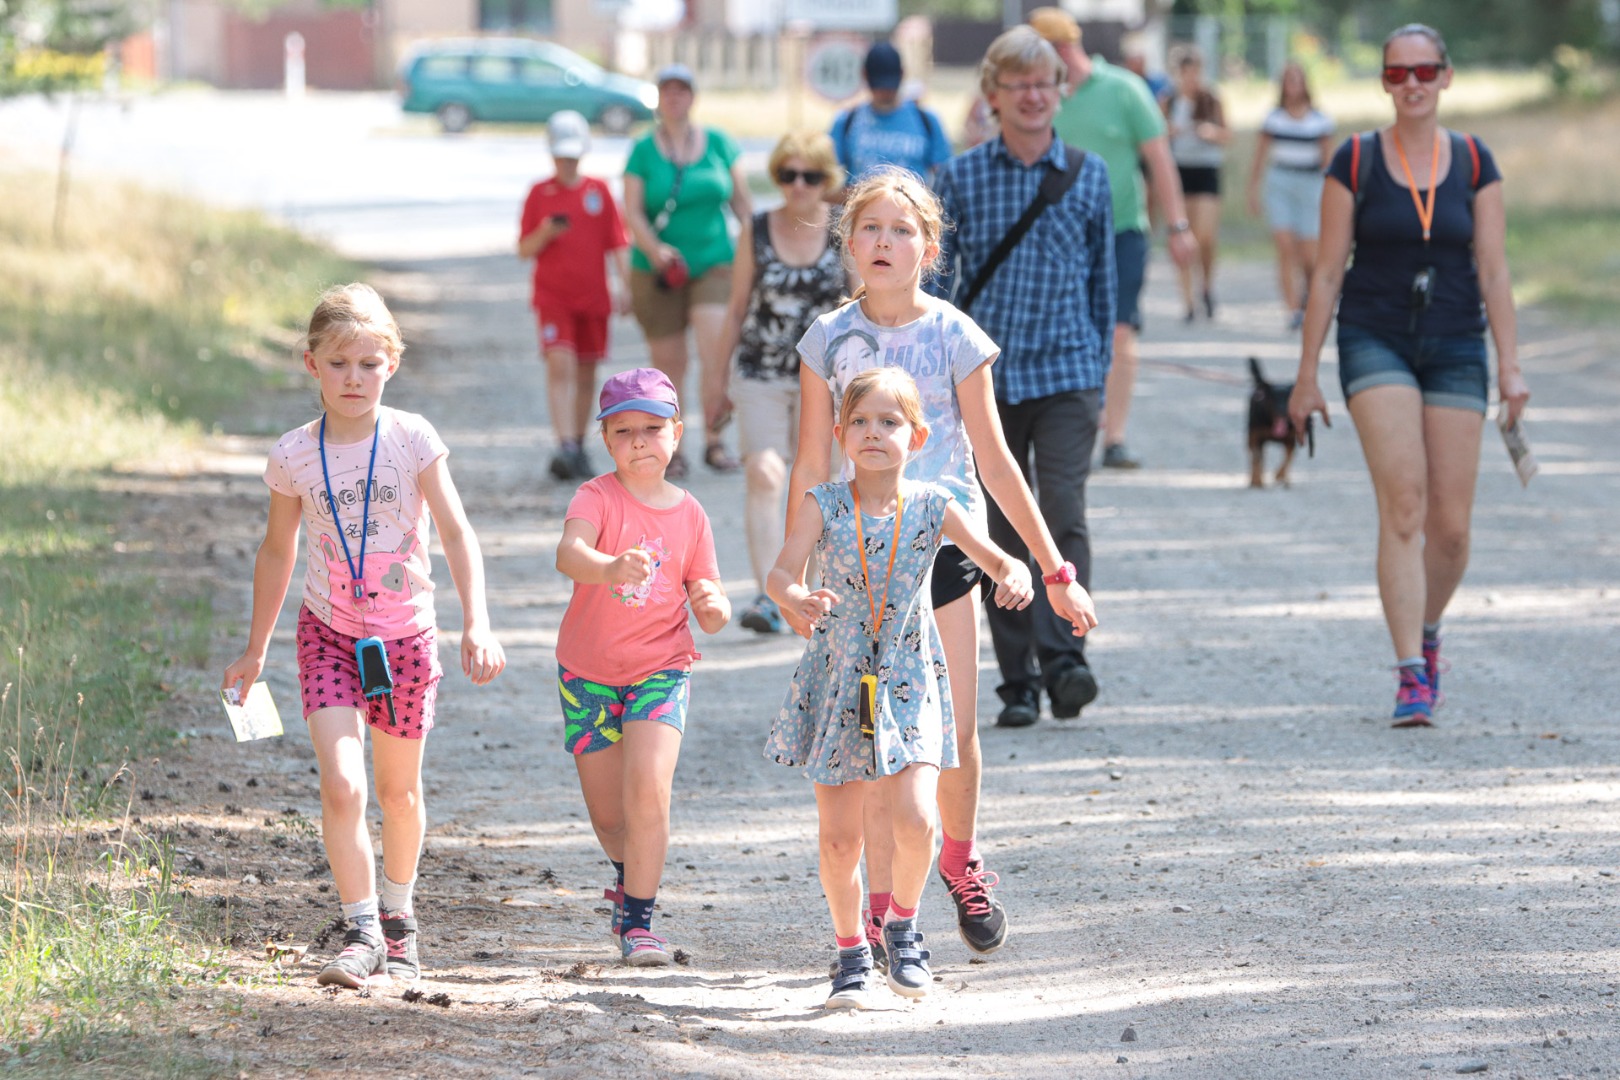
x: 571, y: 227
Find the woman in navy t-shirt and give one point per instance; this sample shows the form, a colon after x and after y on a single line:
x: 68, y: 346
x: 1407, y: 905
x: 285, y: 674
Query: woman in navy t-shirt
x: 1429, y: 275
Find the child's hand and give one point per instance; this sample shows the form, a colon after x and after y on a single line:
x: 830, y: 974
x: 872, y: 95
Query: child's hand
x: 813, y: 606
x: 631, y: 568
x: 1073, y: 603
x: 242, y: 674
x: 1016, y: 589
x: 482, y: 657
x: 709, y: 604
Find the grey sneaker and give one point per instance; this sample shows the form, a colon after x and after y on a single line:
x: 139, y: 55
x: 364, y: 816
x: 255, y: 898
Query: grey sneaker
x: 361, y: 959
x: 1117, y: 457
x: 908, y: 963
x: 762, y: 616
x: 852, y: 977
x: 580, y: 462
x: 640, y: 948
x: 399, y: 936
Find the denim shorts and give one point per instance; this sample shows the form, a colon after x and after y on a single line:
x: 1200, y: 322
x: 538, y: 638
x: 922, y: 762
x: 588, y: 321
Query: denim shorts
x: 1449, y: 370
x: 1294, y: 201
x: 594, y: 714
x: 1130, y: 268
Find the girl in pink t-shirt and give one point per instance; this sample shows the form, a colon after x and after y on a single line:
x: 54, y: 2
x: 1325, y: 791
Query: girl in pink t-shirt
x: 639, y: 550
x: 362, y: 481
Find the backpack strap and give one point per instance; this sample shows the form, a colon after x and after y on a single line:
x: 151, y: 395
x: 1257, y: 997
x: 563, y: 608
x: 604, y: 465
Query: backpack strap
x: 1459, y: 142
x: 1361, y: 165
x: 840, y: 135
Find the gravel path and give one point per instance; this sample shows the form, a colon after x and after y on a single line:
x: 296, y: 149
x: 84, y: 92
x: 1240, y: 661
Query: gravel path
x: 1229, y: 866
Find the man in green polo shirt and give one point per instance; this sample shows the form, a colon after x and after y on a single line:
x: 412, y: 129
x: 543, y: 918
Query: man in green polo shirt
x: 1110, y: 112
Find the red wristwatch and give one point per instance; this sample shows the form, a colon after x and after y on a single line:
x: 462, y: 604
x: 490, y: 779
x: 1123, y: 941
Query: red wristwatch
x: 1063, y: 575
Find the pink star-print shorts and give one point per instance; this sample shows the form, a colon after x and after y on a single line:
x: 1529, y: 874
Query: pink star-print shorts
x: 329, y: 676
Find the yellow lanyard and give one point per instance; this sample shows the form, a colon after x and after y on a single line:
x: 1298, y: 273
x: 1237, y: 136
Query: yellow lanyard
x: 879, y: 612
x: 1425, y: 213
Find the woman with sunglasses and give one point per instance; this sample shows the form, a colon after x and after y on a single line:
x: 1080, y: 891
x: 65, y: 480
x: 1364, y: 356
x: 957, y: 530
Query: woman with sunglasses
x: 1422, y: 210
x: 788, y: 275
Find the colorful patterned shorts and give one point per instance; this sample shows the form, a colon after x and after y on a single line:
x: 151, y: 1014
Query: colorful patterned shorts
x: 329, y: 676
x: 594, y: 714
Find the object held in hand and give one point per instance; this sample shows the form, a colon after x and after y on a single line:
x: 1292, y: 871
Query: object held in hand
x: 1518, y: 446
x: 674, y: 276
x: 254, y: 718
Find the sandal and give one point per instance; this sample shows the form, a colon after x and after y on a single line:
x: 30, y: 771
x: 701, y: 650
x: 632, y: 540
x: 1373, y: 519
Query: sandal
x: 716, y: 457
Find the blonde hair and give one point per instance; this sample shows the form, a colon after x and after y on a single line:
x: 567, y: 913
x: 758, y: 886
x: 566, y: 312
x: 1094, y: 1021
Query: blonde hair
x: 815, y: 147
x: 899, y: 385
x: 1018, y: 50
x: 905, y: 188
x: 344, y: 311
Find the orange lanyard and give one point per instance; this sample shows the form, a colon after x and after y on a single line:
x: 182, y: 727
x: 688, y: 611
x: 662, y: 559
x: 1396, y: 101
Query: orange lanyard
x: 878, y: 612
x: 1425, y: 213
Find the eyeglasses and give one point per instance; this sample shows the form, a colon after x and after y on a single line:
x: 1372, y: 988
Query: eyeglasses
x: 812, y: 177
x: 1395, y: 74
x: 1026, y: 87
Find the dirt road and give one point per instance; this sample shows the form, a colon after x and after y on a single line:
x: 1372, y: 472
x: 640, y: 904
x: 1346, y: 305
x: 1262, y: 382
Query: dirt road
x: 1229, y: 866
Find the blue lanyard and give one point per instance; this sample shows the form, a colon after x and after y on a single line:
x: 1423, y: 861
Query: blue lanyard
x: 357, y: 577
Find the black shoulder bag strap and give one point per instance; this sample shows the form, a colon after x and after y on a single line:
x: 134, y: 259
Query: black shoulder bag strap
x: 1054, y: 185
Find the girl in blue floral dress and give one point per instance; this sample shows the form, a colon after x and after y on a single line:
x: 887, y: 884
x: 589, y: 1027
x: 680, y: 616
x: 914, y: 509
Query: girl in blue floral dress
x: 870, y: 700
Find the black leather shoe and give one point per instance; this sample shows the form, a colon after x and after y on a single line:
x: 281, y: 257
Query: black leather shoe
x: 1023, y: 707
x: 1074, y: 688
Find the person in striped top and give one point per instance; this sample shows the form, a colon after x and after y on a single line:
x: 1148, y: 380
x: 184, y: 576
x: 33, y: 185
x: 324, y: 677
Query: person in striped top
x: 1295, y: 143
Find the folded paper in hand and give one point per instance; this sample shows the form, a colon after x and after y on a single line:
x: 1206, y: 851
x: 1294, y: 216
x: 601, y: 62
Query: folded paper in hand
x: 1518, y: 447
x: 255, y: 718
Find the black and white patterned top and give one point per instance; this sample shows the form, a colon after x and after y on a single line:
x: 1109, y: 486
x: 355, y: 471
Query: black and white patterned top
x: 782, y: 303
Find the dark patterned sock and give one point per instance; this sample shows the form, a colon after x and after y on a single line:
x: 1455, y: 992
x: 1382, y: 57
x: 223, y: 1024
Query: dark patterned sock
x: 618, y: 868
x: 638, y: 912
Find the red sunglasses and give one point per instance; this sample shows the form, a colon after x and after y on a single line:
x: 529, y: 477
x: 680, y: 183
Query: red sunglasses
x: 1395, y: 74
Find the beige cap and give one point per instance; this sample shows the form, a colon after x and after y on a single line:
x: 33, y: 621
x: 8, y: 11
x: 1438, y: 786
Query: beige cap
x: 1055, y: 25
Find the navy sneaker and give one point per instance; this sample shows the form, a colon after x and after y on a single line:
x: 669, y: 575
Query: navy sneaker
x: 852, y: 977
x: 762, y: 616
x: 1414, y: 700
x: 908, y: 963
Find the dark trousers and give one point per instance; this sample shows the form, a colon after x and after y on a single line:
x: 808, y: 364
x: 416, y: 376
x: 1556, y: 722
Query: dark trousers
x: 1052, y: 439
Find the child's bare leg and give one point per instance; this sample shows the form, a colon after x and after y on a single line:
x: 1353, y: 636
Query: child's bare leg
x: 601, y: 781
x: 585, y: 403
x: 397, y: 767
x: 338, y: 735
x: 563, y: 390
x: 879, y: 841
x: 839, y: 806
x: 651, y: 749
x: 912, y: 795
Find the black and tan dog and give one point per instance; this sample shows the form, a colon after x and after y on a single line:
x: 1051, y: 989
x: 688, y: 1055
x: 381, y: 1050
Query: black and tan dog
x: 1269, y: 422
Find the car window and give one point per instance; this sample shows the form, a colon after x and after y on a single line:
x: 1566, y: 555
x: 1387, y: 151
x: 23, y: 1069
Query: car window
x: 444, y: 67
x: 492, y: 69
x: 539, y: 73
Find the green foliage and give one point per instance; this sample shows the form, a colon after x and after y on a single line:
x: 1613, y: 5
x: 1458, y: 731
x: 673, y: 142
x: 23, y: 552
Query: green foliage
x: 117, y: 346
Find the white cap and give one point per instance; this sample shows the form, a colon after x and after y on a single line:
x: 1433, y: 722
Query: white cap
x: 569, y: 134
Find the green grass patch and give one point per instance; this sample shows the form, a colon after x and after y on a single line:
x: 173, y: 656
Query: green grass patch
x: 1568, y: 259
x: 119, y: 346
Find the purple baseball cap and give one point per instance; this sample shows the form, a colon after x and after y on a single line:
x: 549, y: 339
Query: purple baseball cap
x: 643, y: 389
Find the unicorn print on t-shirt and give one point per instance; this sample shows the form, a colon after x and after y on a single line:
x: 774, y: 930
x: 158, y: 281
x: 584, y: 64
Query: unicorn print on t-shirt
x: 657, y: 586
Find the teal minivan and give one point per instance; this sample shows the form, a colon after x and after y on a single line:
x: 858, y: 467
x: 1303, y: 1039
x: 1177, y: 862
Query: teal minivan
x: 517, y: 80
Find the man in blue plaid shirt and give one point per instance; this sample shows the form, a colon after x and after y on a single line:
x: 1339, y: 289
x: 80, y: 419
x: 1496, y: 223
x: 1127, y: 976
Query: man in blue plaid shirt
x: 1050, y: 306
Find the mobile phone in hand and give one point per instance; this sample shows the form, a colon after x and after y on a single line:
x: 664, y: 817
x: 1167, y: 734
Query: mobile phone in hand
x: 560, y: 220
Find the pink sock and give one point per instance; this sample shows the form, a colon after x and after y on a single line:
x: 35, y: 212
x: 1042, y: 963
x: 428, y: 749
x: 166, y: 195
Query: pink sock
x: 899, y: 914
x: 878, y: 904
x: 850, y: 942
x: 955, y: 855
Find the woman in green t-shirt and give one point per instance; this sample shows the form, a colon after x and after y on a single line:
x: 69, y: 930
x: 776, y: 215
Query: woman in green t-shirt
x: 677, y: 184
